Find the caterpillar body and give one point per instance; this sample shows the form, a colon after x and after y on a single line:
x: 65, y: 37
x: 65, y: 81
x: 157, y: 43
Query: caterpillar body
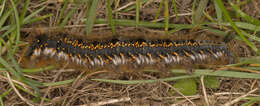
x: 133, y: 51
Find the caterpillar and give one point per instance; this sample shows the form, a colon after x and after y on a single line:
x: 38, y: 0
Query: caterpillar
x: 96, y: 53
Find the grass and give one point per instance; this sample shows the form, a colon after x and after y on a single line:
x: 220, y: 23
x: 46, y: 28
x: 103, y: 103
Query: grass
x: 178, y: 27
x: 13, y: 20
x: 197, y: 73
x: 166, y: 16
x: 239, y: 32
x: 66, y: 3
x: 91, y: 17
x: 110, y: 17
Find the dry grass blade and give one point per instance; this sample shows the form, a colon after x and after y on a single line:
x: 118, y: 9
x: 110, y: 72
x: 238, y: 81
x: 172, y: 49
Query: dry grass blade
x: 125, y: 99
x: 125, y: 6
x: 204, y: 90
x: 176, y: 90
x: 48, y: 89
x: 17, y: 92
x: 17, y: 82
x: 239, y: 98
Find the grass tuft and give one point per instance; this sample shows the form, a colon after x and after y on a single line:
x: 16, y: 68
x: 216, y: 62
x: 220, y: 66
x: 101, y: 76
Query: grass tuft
x: 239, y: 32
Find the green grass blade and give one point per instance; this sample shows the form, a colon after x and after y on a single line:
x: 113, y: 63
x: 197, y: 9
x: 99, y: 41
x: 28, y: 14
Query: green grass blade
x: 6, y: 92
x: 137, y: 12
x: 218, y: 11
x: 71, y: 12
x: 29, y: 17
x: 166, y: 16
x: 242, y: 25
x: 88, y: 4
x: 251, y: 36
x: 1, y: 44
x: 219, y: 32
x: 110, y: 17
x: 58, y: 83
x: 237, y: 14
x: 227, y: 73
x: 199, y: 12
x: 253, y: 68
x: 134, y: 6
x: 26, y: 4
x: 244, y: 61
x: 122, y: 22
x: 17, y: 27
x: 180, y: 27
x: 208, y: 16
x: 65, y: 5
x: 2, y: 7
x: 250, y: 103
x: 9, y: 30
x: 34, y: 84
x: 252, y: 100
x: 145, y: 81
x: 37, y: 19
x: 175, y: 8
x: 30, y: 93
x: 64, y: 22
x: 91, y: 16
x: 4, y: 17
x: 159, y: 10
x: 226, y: 14
x: 3, y: 95
x: 9, y: 68
x: 2, y: 41
x: 36, y: 70
x: 15, y: 64
x: 244, y: 15
x: 193, y: 12
x: 1, y: 101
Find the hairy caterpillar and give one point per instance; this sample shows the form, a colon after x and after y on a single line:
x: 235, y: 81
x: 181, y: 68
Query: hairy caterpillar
x: 133, y: 51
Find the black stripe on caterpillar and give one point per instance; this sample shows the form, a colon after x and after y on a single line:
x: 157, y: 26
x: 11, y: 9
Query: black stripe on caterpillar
x: 133, y: 51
